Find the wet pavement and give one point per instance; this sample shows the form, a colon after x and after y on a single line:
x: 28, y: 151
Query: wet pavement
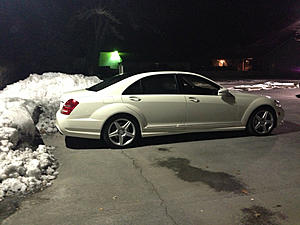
x: 220, y: 178
x: 9, y: 206
x: 219, y: 181
x: 260, y: 215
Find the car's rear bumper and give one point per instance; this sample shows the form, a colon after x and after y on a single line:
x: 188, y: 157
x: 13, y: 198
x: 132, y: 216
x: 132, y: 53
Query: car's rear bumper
x: 84, y: 128
x: 58, y: 128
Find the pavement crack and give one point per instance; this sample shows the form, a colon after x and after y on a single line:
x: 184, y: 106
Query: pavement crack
x: 154, y: 189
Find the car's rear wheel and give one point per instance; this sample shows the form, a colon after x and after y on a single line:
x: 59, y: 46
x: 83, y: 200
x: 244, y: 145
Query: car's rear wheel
x: 262, y: 121
x: 121, y: 131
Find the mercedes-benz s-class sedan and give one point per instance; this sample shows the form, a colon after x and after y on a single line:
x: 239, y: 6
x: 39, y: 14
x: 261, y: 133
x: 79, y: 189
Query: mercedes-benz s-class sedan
x: 126, y: 107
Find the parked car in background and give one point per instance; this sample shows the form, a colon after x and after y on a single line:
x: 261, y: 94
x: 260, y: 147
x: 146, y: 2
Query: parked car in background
x: 126, y: 107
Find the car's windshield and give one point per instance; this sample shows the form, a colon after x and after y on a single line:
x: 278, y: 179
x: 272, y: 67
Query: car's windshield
x: 109, y: 81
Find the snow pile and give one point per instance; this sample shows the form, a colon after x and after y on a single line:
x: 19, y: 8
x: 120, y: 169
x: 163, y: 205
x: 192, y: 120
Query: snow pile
x: 265, y: 86
x: 25, y: 170
x: 15, y: 118
x: 25, y: 106
x: 46, y: 90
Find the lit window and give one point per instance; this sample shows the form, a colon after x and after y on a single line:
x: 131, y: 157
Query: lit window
x: 222, y: 62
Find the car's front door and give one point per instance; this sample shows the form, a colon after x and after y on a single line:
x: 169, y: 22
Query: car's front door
x: 158, y: 100
x: 205, y: 109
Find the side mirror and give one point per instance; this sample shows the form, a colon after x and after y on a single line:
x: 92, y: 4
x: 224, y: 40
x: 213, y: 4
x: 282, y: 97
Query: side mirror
x: 224, y: 92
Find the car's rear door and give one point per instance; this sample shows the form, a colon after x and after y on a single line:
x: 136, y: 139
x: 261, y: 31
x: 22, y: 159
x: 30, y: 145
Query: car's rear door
x: 157, y: 99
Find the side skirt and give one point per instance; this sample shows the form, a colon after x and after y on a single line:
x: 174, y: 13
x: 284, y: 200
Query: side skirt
x: 163, y: 133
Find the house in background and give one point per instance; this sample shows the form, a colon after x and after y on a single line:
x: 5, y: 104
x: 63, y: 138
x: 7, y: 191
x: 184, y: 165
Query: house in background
x: 235, y: 64
x: 284, y: 58
x: 279, y: 53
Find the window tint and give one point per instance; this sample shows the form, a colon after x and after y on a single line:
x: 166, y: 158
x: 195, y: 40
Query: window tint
x: 159, y: 84
x: 197, y: 85
x: 134, y: 89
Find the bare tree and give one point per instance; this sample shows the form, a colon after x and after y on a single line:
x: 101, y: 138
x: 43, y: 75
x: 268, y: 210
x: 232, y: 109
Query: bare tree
x: 99, y: 16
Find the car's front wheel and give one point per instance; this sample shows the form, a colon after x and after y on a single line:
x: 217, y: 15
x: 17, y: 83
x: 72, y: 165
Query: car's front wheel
x: 261, y: 122
x: 121, y: 131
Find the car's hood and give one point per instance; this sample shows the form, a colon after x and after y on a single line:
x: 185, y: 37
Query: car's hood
x: 243, y: 94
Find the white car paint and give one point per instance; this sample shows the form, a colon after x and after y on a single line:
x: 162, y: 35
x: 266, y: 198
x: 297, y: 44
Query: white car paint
x: 160, y: 114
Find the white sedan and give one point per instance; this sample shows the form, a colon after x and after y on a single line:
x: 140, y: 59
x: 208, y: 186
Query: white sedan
x: 126, y: 107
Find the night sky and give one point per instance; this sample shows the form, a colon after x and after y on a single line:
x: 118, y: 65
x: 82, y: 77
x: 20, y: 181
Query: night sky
x: 50, y: 35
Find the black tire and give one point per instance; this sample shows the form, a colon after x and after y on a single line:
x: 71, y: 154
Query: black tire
x: 261, y: 122
x: 121, y: 131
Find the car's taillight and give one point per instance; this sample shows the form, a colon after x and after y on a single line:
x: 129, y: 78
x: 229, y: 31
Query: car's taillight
x: 69, y: 106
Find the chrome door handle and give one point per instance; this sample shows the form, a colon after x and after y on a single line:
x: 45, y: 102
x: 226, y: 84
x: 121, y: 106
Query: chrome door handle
x: 193, y: 99
x: 134, y: 98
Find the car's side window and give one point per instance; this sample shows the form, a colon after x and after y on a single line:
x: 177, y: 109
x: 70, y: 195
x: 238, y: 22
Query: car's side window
x: 134, y: 89
x: 160, y: 84
x: 192, y: 84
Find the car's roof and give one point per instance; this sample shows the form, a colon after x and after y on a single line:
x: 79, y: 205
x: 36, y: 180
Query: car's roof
x: 154, y: 73
x: 145, y: 74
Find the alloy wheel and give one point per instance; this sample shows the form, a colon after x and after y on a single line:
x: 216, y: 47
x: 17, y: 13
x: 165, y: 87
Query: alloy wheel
x: 263, y: 122
x: 121, y: 132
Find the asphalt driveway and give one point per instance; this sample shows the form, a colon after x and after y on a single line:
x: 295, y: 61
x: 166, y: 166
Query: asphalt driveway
x: 216, y: 178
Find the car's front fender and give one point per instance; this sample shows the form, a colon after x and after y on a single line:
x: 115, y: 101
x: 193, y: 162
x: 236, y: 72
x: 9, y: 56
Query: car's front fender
x: 259, y: 102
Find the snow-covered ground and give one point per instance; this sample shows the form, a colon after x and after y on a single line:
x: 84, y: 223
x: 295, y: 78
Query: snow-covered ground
x: 27, y: 108
x: 256, y: 85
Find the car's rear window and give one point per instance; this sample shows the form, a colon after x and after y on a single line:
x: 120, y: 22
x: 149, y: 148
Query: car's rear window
x: 109, y: 81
